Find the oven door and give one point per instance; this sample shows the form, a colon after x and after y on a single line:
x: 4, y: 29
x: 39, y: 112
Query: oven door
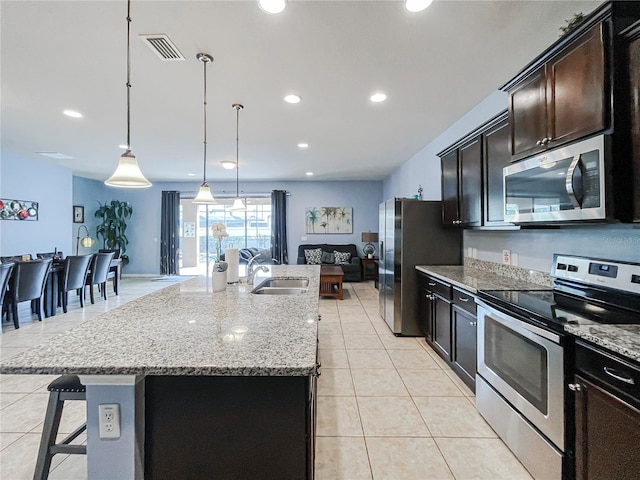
x: 524, y: 364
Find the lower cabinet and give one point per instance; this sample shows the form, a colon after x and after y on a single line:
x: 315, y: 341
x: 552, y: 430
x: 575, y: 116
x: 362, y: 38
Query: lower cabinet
x: 448, y: 321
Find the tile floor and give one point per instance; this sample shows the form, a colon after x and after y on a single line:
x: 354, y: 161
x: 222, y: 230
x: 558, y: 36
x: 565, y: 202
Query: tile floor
x: 388, y: 407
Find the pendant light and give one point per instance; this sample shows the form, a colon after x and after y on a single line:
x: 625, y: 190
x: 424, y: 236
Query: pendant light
x: 238, y: 204
x: 128, y: 174
x: 204, y: 195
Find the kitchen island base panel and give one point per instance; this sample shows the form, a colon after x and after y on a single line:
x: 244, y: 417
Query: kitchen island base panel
x: 229, y: 427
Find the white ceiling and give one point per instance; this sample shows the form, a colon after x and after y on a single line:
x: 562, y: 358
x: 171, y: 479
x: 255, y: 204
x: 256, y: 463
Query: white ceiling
x: 434, y: 66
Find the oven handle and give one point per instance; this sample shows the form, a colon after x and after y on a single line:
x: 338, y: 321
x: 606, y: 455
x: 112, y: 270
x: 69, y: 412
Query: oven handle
x: 516, y: 324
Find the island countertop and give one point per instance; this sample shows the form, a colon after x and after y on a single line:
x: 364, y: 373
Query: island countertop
x: 185, y: 329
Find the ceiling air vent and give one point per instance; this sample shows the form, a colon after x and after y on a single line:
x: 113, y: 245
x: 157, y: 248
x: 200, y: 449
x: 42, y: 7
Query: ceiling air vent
x: 162, y: 47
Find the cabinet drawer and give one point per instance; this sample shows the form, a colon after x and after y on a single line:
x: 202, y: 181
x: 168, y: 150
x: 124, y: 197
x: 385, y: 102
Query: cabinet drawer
x: 464, y: 300
x: 438, y: 286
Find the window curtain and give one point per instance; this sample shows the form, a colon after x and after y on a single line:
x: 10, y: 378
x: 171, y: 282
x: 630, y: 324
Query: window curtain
x: 169, y: 233
x: 279, y: 226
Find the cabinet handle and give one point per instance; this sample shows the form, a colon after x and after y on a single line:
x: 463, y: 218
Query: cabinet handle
x: 575, y: 387
x: 545, y: 140
x: 539, y: 143
x: 473, y: 324
x: 463, y: 299
x: 431, y: 284
x: 616, y: 374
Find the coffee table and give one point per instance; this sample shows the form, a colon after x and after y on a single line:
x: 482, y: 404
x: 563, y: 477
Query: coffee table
x: 331, y: 281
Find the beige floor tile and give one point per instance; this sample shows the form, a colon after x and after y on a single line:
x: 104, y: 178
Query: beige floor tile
x: 331, y: 342
x: 335, y: 381
x: 380, y: 327
x: 7, y: 399
x: 18, y: 460
x: 330, y: 317
x: 399, y: 343
x: 358, y: 328
x: 25, y: 383
x: 25, y: 415
x: 74, y: 414
x: 452, y: 417
x: 338, y: 416
x: 333, y: 358
x: 329, y: 328
x: 429, y: 383
x: 391, y: 417
x: 378, y: 383
x: 412, y: 359
x: 369, y: 359
x: 350, y: 309
x: 7, y: 439
x: 481, y: 459
x: 406, y: 459
x: 353, y: 318
x: 362, y: 342
x: 341, y: 458
x: 73, y: 467
x: 459, y: 383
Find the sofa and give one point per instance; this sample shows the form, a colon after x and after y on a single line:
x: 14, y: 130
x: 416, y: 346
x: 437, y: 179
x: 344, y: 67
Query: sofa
x: 352, y: 270
x: 245, y: 254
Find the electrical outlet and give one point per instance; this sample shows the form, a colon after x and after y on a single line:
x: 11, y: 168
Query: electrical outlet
x: 109, y: 420
x: 506, y: 257
x: 303, y: 238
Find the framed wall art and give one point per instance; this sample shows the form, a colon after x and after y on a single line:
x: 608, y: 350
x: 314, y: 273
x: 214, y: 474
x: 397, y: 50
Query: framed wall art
x: 78, y: 214
x: 25, y: 210
x: 328, y: 220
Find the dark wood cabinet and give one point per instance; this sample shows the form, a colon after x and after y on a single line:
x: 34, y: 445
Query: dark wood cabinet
x: 463, y: 322
x: 496, y: 156
x: 442, y: 326
x: 450, y: 188
x: 435, y: 314
x: 628, y: 193
x: 564, y: 99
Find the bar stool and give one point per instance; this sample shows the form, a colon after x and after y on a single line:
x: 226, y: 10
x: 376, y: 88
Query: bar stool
x: 66, y: 387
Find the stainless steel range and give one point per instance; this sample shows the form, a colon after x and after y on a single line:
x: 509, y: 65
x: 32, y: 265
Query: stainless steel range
x: 524, y: 354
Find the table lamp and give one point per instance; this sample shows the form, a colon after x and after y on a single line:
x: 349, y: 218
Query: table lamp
x: 370, y: 238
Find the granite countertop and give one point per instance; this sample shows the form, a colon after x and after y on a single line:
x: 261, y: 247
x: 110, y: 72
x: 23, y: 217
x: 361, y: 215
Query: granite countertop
x: 622, y: 339
x: 473, y: 279
x: 185, y: 329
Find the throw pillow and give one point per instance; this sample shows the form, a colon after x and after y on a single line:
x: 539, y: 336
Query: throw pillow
x: 328, y: 257
x: 341, y: 258
x: 313, y: 256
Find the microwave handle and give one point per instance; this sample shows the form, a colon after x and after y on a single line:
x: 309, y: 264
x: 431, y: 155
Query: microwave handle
x: 568, y: 183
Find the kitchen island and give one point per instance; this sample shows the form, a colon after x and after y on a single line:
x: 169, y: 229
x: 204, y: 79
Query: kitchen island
x: 209, y: 384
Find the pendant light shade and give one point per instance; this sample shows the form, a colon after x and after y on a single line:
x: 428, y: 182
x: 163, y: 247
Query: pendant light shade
x: 238, y: 203
x: 128, y: 173
x: 204, y: 195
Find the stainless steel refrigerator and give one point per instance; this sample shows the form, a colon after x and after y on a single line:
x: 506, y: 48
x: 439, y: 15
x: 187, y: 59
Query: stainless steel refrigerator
x: 411, y: 233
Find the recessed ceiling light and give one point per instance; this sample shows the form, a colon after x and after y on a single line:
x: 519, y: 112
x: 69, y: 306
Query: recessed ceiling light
x: 378, y: 97
x: 308, y: 174
x: 303, y: 145
x: 272, y: 6
x: 56, y: 155
x: 72, y: 113
x: 191, y: 174
x: 415, y: 6
x: 292, y: 99
x: 228, y: 164
x: 123, y: 146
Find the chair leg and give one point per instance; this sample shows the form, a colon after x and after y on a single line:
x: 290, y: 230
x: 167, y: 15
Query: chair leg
x: 49, y: 434
x: 14, y: 314
x: 65, y: 300
x: 91, y: 292
x: 104, y: 290
x: 40, y: 308
x: 81, y: 295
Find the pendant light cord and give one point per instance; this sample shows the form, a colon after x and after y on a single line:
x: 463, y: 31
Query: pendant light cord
x: 129, y: 75
x: 237, y: 157
x: 204, y: 179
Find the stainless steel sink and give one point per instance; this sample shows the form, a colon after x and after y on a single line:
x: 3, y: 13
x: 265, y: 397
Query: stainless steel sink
x: 282, y: 286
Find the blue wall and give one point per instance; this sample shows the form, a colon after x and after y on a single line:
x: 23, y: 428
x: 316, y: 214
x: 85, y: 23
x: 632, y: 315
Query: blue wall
x: 49, y: 185
x: 144, y: 229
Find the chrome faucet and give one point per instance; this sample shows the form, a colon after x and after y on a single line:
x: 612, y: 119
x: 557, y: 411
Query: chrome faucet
x: 250, y: 262
x: 259, y: 268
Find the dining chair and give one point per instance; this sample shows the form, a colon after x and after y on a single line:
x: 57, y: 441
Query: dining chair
x: 16, y: 258
x: 27, y: 283
x: 74, y: 277
x: 50, y: 255
x: 99, y: 272
x: 116, y: 251
x: 5, y: 273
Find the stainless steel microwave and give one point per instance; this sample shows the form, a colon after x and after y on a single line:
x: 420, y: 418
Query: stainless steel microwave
x: 561, y: 185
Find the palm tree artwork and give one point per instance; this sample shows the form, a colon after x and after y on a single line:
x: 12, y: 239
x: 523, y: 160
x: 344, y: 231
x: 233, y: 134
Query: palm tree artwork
x: 329, y: 219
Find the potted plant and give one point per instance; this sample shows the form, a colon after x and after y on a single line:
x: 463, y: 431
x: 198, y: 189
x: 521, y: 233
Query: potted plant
x: 113, y: 226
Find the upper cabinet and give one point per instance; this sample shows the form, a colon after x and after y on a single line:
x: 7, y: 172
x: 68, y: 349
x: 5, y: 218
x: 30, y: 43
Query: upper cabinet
x: 572, y: 90
x: 472, y: 188
x: 626, y: 190
x: 563, y: 100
